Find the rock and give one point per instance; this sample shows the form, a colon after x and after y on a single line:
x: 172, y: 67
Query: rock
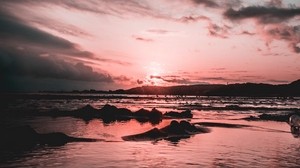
x: 24, y: 137
x: 294, y: 122
x: 270, y: 117
x: 184, y: 114
x: 154, y: 116
x: 153, y: 134
x: 174, y: 131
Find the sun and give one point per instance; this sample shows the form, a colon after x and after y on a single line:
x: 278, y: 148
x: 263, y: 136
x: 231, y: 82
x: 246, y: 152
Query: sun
x: 154, y: 73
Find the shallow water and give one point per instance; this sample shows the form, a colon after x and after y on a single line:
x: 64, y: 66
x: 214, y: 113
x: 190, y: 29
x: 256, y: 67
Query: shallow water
x: 266, y: 144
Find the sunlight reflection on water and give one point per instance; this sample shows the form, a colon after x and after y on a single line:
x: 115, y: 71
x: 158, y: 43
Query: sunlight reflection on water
x: 223, y: 147
x: 268, y: 144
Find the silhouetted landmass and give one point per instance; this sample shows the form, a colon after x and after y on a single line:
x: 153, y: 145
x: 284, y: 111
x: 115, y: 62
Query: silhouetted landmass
x: 245, y: 89
x: 253, y: 89
x: 174, y: 90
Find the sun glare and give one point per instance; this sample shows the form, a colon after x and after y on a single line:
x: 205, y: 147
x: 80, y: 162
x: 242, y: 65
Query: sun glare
x: 154, y: 73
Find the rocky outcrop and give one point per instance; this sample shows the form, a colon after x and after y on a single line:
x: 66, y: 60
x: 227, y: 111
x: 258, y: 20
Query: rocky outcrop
x: 109, y: 113
x: 184, y: 114
x: 25, y: 137
x: 176, y: 130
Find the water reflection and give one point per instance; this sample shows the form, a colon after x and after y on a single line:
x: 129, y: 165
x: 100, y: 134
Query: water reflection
x: 270, y: 144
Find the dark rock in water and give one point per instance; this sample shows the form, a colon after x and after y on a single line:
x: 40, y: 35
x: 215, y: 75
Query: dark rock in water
x: 24, y: 137
x: 175, y: 128
x: 294, y: 122
x: 184, y: 114
x: 153, y: 134
x: 173, y: 131
x: 270, y: 117
x: 109, y: 113
x: 87, y: 112
x: 154, y: 116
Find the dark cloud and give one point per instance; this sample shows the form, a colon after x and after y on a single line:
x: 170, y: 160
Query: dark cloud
x: 16, y: 62
x: 191, y: 19
x: 290, y: 34
x: 23, y: 70
x: 15, y: 32
x: 218, y: 3
x: 122, y: 78
x: 207, y: 3
x: 278, y: 81
x: 247, y: 33
x: 29, y: 55
x: 218, y: 31
x: 272, y: 22
x: 140, y: 82
x: 213, y: 79
x: 60, y: 27
x: 174, y: 79
x: 263, y: 14
x: 231, y: 3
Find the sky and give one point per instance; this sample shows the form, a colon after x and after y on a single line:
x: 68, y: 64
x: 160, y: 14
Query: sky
x: 120, y: 44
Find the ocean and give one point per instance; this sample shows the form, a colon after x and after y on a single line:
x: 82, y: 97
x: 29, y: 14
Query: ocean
x: 262, y: 144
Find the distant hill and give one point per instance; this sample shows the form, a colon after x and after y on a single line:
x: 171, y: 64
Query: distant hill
x: 244, y: 89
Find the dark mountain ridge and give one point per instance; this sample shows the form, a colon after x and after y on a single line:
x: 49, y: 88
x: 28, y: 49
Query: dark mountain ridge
x: 243, y: 89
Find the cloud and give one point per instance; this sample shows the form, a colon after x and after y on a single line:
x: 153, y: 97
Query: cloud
x: 272, y: 22
x: 218, y: 31
x: 191, y: 19
x: 140, y: 82
x: 213, y: 79
x: 263, y: 14
x: 118, y: 8
x: 247, y: 33
x: 30, y: 55
x: 174, y: 79
x: 15, y: 32
x: 275, y: 3
x: 218, y: 3
x: 122, y: 78
x: 16, y: 62
x: 278, y: 81
x: 139, y: 38
x: 159, y: 31
x: 289, y: 34
x: 60, y: 27
x: 206, y: 3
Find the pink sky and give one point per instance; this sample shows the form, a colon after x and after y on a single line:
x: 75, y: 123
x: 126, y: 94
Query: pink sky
x: 168, y: 42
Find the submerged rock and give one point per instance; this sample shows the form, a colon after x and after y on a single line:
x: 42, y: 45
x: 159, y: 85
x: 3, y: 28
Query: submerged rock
x: 176, y: 130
